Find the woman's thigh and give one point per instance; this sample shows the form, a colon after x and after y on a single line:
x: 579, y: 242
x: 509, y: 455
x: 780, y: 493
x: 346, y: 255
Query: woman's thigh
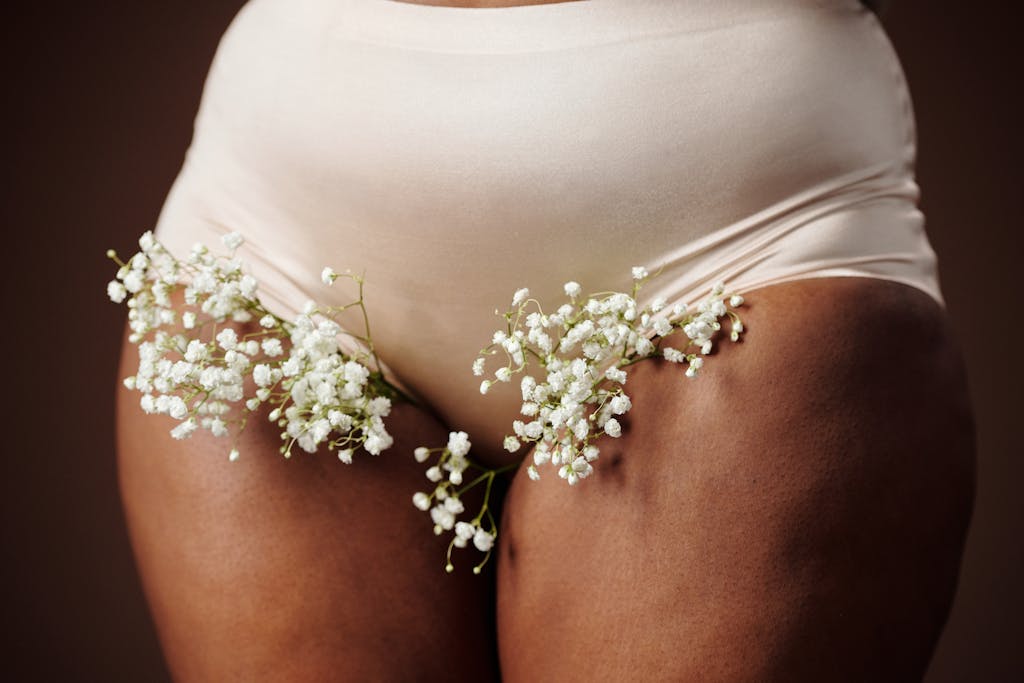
x: 303, y: 569
x: 796, y: 512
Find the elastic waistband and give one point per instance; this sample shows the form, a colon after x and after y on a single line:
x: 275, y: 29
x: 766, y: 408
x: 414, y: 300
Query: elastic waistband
x: 552, y: 26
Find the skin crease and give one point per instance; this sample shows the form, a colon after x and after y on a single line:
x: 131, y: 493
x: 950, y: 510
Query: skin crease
x: 795, y: 513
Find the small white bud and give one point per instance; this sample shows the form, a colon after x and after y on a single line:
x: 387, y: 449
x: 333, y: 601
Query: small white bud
x: 232, y: 240
x: 483, y: 540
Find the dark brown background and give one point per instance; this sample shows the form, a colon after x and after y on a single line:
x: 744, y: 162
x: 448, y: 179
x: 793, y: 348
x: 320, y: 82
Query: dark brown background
x: 99, y: 104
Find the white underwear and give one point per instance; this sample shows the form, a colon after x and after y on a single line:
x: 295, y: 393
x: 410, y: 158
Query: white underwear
x: 453, y: 155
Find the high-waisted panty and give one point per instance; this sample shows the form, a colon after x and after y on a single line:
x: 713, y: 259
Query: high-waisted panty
x: 453, y: 155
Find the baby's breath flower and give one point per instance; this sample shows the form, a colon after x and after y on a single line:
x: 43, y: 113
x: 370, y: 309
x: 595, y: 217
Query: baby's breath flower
x: 318, y: 394
x: 483, y: 540
x: 443, y: 518
x: 674, y: 355
x: 587, y: 346
x: 232, y: 240
x: 116, y: 291
x: 272, y: 347
x: 616, y: 375
x: 662, y: 327
x: 227, y: 339
x: 644, y: 347
x: 444, y: 513
x: 620, y: 404
x: 185, y: 429
x: 464, y: 532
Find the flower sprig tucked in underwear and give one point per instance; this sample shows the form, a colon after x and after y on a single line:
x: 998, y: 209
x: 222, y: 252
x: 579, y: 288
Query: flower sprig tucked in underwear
x: 194, y: 367
x: 582, y: 350
x: 573, y: 361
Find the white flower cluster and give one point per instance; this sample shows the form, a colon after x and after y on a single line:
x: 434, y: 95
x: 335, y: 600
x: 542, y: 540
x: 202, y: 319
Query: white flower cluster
x: 445, y: 504
x: 194, y: 367
x: 582, y: 349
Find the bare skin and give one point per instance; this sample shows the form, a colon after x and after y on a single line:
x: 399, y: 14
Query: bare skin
x: 796, y: 513
x: 800, y: 516
x: 303, y: 569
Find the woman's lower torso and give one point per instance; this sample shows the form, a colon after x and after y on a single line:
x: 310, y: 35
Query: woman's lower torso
x: 454, y: 155
x: 764, y: 522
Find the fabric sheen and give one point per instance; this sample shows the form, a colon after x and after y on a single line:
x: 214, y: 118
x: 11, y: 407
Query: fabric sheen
x: 453, y: 155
